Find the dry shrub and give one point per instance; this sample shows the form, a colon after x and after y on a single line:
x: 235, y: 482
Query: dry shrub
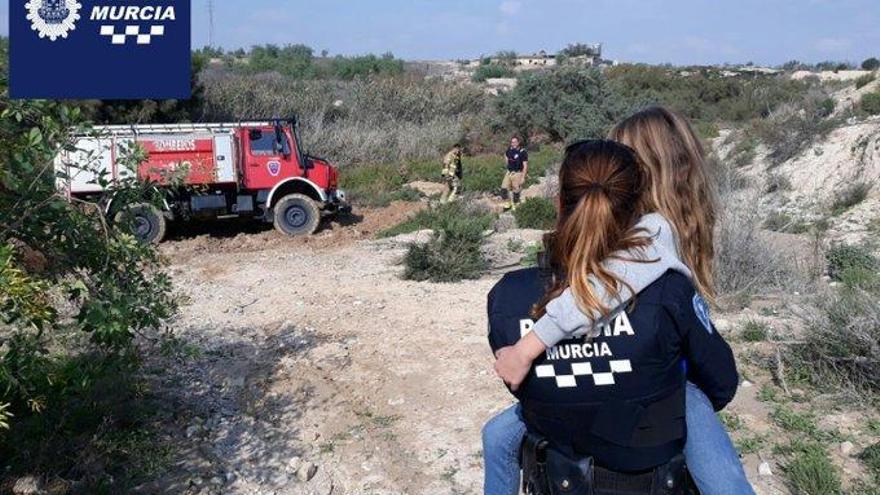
x: 849, y: 196
x: 746, y: 261
x: 795, y: 126
x: 841, y: 344
x: 360, y: 121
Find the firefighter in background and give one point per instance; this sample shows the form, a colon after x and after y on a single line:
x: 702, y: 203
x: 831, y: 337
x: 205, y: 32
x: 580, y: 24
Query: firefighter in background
x: 517, y: 168
x: 452, y: 174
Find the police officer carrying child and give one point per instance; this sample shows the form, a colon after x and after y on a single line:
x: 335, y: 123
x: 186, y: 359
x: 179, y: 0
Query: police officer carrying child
x: 605, y: 410
x: 517, y: 168
x: 452, y: 174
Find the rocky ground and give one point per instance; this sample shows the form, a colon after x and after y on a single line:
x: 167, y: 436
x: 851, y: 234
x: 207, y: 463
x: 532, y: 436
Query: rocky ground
x: 308, y: 366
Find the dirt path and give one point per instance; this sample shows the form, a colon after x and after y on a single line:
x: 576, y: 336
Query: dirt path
x: 315, y: 351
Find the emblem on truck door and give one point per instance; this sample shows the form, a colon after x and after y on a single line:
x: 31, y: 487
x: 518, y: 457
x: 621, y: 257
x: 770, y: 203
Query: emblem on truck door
x: 274, y: 168
x: 53, y: 18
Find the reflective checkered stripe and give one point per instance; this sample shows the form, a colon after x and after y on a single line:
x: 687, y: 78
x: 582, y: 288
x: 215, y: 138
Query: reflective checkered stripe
x: 584, y: 369
x: 132, y: 32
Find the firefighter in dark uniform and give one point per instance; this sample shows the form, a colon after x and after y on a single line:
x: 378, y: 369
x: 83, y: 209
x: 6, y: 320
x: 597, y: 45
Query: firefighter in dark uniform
x: 617, y: 398
x: 517, y: 159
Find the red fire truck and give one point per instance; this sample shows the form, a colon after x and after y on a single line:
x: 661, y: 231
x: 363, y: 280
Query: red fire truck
x: 255, y: 169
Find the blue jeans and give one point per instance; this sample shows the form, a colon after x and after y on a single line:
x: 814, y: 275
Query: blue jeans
x: 712, y: 460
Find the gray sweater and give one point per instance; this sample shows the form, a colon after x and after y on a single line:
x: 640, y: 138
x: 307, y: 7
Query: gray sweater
x: 564, y: 319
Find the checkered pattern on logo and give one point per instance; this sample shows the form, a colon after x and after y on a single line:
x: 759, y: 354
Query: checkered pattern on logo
x: 584, y: 369
x: 132, y: 31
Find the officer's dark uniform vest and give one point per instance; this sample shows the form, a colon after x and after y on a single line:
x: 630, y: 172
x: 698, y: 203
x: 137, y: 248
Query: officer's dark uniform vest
x: 618, y: 397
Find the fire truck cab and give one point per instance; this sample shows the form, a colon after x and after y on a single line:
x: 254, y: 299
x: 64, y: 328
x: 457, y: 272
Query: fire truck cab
x: 255, y: 169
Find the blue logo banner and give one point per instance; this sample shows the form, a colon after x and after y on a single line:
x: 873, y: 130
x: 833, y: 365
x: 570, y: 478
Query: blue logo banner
x: 106, y: 49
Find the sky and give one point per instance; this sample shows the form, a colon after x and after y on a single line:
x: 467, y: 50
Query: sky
x: 766, y: 32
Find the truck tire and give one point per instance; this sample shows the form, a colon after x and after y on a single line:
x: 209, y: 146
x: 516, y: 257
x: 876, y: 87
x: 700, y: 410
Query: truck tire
x: 296, y: 214
x: 145, y: 222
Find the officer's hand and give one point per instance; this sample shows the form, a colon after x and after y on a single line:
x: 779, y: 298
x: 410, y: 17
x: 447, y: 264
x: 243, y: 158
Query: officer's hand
x: 512, y: 366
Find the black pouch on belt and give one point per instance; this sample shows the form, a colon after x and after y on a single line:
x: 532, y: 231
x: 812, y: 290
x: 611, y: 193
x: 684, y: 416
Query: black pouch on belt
x: 547, y: 471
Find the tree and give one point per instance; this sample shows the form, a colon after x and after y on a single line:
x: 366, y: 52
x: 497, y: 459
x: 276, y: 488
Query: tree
x: 74, y: 293
x: 871, y: 64
x: 566, y: 103
x: 580, y: 50
x: 290, y: 60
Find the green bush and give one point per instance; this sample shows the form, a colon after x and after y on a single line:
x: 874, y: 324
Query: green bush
x: 871, y: 103
x: 536, y: 213
x: 492, y: 71
x: 348, y: 68
x: 298, y: 61
x: 439, y: 216
x: 454, y: 251
x: 704, y: 94
x: 754, y: 331
x: 865, y: 80
x: 371, y: 185
x: 871, y: 64
x: 847, y: 258
x: 849, y: 197
x: 871, y: 457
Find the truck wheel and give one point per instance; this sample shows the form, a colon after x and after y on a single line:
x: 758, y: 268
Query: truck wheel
x: 297, y: 214
x: 145, y: 222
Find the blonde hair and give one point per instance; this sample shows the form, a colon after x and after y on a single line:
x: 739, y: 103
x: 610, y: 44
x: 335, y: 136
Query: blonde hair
x: 600, y: 188
x: 678, y: 184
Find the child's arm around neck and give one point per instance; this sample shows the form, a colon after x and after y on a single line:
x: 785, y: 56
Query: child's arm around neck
x: 564, y: 319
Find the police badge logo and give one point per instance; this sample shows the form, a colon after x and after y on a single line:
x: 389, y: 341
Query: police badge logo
x: 274, y: 168
x: 53, y: 18
x: 701, y: 308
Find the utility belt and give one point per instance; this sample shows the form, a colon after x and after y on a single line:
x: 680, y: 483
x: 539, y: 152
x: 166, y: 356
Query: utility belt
x: 549, y: 471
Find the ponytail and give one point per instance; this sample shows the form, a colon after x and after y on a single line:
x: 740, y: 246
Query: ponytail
x: 600, y: 188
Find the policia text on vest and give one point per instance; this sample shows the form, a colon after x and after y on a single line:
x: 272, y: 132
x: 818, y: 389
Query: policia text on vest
x: 618, y: 397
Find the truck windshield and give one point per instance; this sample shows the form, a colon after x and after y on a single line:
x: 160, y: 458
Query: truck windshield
x: 265, y: 143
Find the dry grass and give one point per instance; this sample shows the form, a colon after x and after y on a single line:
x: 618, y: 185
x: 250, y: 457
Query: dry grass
x: 745, y: 260
x: 360, y: 121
